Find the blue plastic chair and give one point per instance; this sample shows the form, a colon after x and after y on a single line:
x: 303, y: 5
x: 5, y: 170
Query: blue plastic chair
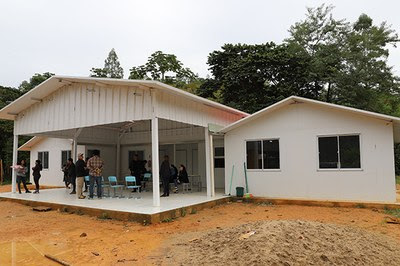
x: 130, y: 183
x: 113, y: 183
x: 147, y: 181
x: 105, y: 185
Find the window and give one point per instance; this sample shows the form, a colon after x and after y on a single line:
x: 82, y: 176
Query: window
x: 43, y: 156
x: 219, y: 157
x: 339, y: 152
x: 263, y: 154
x: 64, y: 157
x: 271, y: 154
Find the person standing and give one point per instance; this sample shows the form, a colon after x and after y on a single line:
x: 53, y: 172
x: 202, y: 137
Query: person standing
x: 80, y: 167
x: 64, y: 169
x: 21, y: 171
x: 95, y: 165
x: 72, y: 175
x: 36, y: 174
x: 165, y: 174
x: 86, y: 174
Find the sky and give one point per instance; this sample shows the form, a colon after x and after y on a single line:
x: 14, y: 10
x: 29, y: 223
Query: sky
x: 69, y: 37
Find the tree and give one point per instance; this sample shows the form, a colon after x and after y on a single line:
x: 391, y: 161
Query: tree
x: 35, y: 80
x: 165, y: 68
x: 250, y: 77
x: 348, y: 61
x: 112, y: 67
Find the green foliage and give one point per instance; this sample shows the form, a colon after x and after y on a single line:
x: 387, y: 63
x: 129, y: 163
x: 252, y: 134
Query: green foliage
x: 34, y: 81
x: 7, y: 95
x: 251, y: 77
x: 168, y: 69
x: 112, y: 67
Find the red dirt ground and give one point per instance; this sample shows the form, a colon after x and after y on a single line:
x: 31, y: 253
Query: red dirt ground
x: 110, y: 242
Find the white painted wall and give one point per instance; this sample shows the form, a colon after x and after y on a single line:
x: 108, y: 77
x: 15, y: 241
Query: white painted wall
x: 297, y: 126
x: 52, y: 176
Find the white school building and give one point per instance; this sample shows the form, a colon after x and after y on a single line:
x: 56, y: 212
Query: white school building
x: 295, y: 149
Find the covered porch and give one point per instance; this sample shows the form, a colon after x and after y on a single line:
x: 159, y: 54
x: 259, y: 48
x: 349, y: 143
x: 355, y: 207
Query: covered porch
x: 123, y: 116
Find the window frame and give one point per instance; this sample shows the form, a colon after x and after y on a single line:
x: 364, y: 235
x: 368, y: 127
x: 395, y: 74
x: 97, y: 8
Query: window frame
x: 68, y: 152
x: 339, y: 169
x: 262, y: 155
x: 219, y: 156
x: 42, y: 160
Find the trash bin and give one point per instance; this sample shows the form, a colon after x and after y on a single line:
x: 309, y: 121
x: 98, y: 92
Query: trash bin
x: 239, y: 191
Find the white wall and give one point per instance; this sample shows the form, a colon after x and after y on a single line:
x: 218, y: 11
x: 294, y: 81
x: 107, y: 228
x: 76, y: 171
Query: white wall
x: 52, y: 176
x: 297, y: 127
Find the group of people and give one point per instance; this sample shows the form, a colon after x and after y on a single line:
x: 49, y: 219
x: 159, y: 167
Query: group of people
x: 170, y: 174
x: 21, y: 173
x: 74, y: 174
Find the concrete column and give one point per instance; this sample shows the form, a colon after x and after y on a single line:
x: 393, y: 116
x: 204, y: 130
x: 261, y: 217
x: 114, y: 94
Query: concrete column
x: 118, y: 161
x: 74, y: 150
x: 208, y: 162
x: 15, y: 161
x: 155, y: 164
x: 212, y: 165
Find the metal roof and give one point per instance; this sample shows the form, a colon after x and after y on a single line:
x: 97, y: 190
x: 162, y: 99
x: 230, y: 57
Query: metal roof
x: 52, y: 84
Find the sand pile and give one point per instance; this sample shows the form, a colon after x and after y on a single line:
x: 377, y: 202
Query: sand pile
x: 285, y: 243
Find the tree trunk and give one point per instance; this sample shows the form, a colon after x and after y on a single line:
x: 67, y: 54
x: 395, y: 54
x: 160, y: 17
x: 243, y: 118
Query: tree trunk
x: 328, y: 93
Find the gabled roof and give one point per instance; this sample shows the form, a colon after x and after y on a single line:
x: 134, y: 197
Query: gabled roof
x: 55, y: 82
x: 27, y: 146
x: 296, y: 99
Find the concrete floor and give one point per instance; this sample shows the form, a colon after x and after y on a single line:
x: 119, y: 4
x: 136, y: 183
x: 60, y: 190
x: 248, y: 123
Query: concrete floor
x: 141, y: 203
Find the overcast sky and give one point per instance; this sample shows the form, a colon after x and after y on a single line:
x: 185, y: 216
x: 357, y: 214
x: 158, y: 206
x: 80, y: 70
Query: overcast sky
x: 69, y: 37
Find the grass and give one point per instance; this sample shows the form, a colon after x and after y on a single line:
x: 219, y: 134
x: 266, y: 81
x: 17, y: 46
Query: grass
x: 398, y: 179
x: 393, y: 212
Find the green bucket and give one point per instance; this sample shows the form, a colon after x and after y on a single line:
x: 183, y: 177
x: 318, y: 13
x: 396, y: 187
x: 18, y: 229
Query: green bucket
x: 239, y: 191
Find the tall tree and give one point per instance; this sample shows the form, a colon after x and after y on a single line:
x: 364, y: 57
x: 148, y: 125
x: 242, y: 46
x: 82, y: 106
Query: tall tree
x: 165, y: 68
x: 112, y: 67
x: 348, y: 61
x: 250, y: 77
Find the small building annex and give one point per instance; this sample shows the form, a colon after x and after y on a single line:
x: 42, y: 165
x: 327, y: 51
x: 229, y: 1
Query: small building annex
x: 305, y: 149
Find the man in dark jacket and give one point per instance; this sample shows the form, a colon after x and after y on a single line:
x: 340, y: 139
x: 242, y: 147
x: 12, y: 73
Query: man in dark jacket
x: 165, y: 174
x: 72, y: 174
x: 80, y: 167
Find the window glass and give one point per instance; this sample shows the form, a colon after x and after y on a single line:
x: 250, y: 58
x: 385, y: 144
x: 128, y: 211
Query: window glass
x: 271, y: 154
x: 349, y: 147
x: 64, y: 157
x: 46, y: 160
x: 328, y: 152
x: 219, y: 163
x: 219, y: 152
x: 253, y: 154
x: 43, y: 156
